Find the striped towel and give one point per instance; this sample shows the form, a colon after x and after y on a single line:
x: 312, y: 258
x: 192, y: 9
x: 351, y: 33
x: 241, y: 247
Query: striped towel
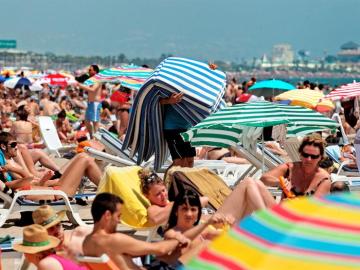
x: 203, y: 90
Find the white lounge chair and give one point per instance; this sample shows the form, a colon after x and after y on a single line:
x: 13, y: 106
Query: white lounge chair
x: 51, y: 138
x: 18, y: 204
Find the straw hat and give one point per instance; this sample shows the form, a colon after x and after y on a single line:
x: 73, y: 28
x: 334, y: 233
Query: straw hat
x: 35, y: 240
x: 46, y: 216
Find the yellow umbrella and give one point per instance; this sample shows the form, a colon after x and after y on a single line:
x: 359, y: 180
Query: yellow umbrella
x: 307, y: 98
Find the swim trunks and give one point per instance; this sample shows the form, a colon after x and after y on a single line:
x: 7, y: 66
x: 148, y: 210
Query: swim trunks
x: 93, y: 111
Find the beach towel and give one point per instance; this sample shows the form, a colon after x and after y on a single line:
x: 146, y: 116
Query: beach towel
x: 201, y: 180
x: 125, y: 182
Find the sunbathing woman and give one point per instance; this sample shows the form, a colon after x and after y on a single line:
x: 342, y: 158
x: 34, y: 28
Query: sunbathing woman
x: 81, y: 165
x: 154, y: 189
x: 185, y: 219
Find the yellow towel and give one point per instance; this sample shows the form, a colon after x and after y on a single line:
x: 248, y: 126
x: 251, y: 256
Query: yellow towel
x: 125, y: 182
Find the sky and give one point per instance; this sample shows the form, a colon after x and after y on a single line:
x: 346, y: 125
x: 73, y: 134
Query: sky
x: 229, y: 30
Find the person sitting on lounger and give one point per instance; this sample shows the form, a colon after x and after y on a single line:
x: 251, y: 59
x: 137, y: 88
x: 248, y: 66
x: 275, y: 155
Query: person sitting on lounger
x: 70, y: 240
x: 39, y: 249
x: 81, y: 165
x: 186, y: 217
x: 348, y: 154
x: 121, y: 248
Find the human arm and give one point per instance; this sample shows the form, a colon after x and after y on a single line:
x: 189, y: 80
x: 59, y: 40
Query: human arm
x: 271, y: 178
x: 158, y: 215
x: 128, y: 245
x: 92, y: 88
x: 173, y: 99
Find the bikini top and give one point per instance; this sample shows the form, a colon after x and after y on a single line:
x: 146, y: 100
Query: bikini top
x: 299, y: 193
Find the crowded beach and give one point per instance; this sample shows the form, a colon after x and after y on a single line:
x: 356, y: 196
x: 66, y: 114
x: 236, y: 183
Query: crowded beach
x: 179, y: 166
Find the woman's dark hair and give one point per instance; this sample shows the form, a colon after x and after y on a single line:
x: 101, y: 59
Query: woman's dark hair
x: 125, y: 89
x: 62, y: 114
x: 5, y: 138
x: 22, y: 114
x: 189, y: 198
x: 103, y: 202
x: 339, y: 186
x: 105, y: 105
x: 314, y: 139
x: 147, y: 179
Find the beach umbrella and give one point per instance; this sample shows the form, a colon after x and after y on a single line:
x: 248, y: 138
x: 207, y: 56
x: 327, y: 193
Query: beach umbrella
x: 57, y: 79
x: 203, y: 88
x: 225, y: 128
x: 130, y: 76
x: 305, y: 233
x: 17, y: 82
x: 270, y: 88
x: 307, y: 98
x: 349, y: 90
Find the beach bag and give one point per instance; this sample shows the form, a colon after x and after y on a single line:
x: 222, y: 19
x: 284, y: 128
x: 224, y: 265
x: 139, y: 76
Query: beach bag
x: 200, y: 180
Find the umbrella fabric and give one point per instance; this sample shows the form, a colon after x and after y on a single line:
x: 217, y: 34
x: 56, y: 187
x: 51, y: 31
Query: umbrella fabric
x: 57, y: 79
x: 305, y: 233
x: 349, y: 90
x: 130, y: 76
x: 203, y: 90
x: 269, y: 88
x: 224, y: 128
x: 306, y: 98
x: 17, y: 82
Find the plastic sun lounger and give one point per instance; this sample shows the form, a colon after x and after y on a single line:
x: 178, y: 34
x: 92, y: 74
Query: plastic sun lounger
x: 98, y: 263
x: 334, y: 152
x: 17, y: 204
x: 51, y: 138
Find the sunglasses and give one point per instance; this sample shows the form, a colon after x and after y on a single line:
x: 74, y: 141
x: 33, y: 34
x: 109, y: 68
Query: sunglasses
x: 151, y: 178
x: 306, y: 155
x: 13, y: 144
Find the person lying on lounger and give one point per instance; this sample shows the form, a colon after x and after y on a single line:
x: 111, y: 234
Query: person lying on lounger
x: 79, y: 166
x: 154, y: 189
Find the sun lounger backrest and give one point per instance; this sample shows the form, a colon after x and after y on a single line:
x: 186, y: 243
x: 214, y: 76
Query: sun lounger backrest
x: 334, y: 152
x: 49, y: 133
x: 125, y: 182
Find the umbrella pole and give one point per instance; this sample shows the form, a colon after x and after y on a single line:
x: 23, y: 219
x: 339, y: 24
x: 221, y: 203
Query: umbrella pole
x: 262, y: 150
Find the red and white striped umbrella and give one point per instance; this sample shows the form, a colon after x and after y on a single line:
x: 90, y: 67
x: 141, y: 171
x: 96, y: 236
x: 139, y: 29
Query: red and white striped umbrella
x: 345, y: 91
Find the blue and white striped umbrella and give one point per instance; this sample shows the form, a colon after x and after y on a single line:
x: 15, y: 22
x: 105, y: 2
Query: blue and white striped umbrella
x: 203, y: 90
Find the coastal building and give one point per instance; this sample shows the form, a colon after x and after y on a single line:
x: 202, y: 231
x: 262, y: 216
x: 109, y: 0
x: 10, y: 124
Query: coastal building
x: 282, y: 55
x: 349, y: 53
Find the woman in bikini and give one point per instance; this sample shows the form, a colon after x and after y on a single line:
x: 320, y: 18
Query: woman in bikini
x: 121, y: 100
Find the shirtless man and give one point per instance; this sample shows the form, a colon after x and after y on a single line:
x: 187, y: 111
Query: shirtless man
x: 50, y: 107
x: 92, y: 115
x: 121, y: 248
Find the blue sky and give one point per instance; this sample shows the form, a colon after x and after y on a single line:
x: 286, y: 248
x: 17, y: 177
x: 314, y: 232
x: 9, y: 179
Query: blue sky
x: 202, y: 29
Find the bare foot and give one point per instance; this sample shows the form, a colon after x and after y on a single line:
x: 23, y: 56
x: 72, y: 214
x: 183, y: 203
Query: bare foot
x: 46, y: 176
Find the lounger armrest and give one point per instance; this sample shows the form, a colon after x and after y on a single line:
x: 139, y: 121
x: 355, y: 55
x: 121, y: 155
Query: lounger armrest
x: 107, y: 157
x: 89, y: 259
x: 41, y: 192
x: 342, y: 165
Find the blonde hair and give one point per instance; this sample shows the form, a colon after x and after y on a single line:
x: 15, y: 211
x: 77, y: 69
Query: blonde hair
x: 148, y: 178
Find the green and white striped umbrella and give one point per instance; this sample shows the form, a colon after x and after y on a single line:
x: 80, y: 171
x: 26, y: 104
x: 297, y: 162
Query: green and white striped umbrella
x: 224, y: 128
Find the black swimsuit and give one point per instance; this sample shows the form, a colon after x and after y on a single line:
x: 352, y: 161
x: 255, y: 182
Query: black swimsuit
x: 299, y: 193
